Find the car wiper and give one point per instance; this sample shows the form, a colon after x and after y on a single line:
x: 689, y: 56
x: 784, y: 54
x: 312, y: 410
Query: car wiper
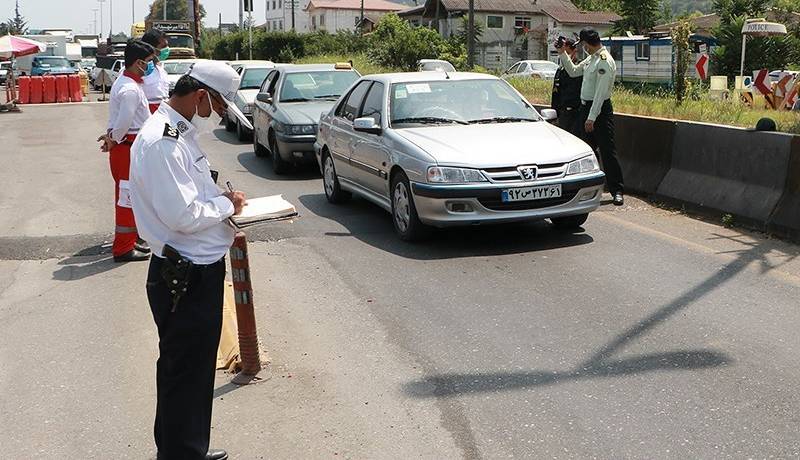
x: 328, y: 96
x: 430, y: 120
x: 500, y: 120
x: 296, y: 99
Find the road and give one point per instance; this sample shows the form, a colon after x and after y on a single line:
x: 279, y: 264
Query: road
x: 650, y: 334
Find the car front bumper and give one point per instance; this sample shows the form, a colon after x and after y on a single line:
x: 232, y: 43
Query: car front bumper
x: 434, y: 203
x: 296, y: 149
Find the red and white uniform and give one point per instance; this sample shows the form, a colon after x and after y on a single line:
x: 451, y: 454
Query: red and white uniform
x: 156, y: 87
x: 127, y: 113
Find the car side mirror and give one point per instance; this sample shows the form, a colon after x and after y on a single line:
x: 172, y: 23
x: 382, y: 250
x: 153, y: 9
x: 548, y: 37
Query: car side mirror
x: 266, y: 98
x: 549, y: 114
x: 366, y: 125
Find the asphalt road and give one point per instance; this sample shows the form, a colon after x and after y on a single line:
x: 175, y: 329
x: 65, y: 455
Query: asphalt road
x: 650, y: 334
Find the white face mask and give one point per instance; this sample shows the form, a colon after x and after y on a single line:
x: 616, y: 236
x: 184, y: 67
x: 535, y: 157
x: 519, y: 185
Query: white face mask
x: 207, y: 124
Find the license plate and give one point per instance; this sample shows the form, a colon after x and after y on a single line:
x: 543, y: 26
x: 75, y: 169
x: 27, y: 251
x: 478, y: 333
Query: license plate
x: 532, y: 193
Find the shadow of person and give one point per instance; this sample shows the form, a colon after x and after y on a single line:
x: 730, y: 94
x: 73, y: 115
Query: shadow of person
x: 372, y: 225
x: 85, y: 263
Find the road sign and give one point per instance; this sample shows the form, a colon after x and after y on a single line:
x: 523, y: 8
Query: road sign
x: 761, y: 82
x: 248, y: 6
x: 701, y: 66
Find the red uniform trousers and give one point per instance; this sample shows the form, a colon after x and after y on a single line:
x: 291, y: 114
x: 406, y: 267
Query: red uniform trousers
x: 125, y: 234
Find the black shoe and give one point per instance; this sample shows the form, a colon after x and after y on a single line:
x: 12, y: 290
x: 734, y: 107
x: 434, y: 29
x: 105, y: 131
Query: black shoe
x: 217, y: 454
x: 133, y: 255
x: 142, y: 246
x: 618, y: 199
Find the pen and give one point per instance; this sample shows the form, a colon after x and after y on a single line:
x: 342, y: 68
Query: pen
x: 230, y: 187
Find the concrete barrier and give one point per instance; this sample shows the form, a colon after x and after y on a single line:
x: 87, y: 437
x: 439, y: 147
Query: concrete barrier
x: 644, y: 149
x: 785, y: 220
x: 729, y: 170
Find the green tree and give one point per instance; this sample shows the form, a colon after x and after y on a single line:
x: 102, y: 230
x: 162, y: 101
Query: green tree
x: 17, y: 25
x: 680, y: 41
x: 394, y: 43
x: 762, y: 53
x: 730, y: 9
x: 666, y: 15
x: 176, y: 10
x: 599, y: 5
x: 638, y: 16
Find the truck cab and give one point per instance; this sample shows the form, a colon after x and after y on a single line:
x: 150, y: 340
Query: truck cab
x: 181, y: 46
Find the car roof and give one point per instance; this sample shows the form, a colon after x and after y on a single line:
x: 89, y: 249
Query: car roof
x: 255, y: 64
x: 297, y: 68
x: 413, y: 77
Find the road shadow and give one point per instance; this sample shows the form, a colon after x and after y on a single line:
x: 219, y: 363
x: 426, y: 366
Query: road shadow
x: 602, y: 362
x: 85, y: 263
x: 262, y: 167
x: 229, y: 138
x: 225, y: 389
x: 372, y: 225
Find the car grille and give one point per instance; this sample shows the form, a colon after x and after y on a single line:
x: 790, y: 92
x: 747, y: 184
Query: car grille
x: 511, y: 174
x: 495, y: 204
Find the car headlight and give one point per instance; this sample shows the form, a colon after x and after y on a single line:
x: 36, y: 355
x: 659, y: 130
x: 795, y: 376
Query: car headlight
x: 444, y: 175
x: 300, y: 129
x: 584, y: 165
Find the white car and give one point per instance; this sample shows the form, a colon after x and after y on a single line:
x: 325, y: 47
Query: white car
x: 253, y: 74
x: 545, y: 70
x: 434, y: 65
x: 114, y: 72
x: 176, y: 68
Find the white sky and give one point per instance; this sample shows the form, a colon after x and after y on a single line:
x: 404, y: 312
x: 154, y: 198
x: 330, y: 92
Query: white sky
x: 78, y: 14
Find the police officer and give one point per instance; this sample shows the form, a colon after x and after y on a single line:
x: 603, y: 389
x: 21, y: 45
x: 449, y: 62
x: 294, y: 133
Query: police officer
x: 156, y: 83
x: 127, y: 114
x: 596, y: 113
x: 184, y: 216
x: 566, y: 100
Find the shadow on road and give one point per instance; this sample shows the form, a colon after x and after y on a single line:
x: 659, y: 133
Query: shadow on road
x: 373, y: 225
x: 602, y: 363
x: 85, y: 263
x: 262, y: 167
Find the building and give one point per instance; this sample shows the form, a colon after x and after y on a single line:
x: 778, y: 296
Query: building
x: 512, y: 29
x: 279, y: 15
x: 339, y: 15
x: 651, y: 58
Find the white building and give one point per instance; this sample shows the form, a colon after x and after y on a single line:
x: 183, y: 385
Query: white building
x: 279, y: 16
x: 338, y: 15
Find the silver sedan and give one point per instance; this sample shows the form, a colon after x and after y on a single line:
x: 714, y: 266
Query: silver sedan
x: 439, y: 149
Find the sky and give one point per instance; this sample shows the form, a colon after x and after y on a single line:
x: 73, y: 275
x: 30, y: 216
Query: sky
x: 78, y: 14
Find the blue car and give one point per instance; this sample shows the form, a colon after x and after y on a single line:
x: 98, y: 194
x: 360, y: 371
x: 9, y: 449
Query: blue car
x: 52, y: 65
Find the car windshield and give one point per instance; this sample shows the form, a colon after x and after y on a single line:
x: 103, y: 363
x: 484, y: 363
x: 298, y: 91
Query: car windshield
x: 54, y: 61
x: 544, y: 66
x: 461, y: 102
x: 180, y: 41
x: 177, y: 68
x: 437, y: 66
x: 307, y: 86
x: 253, y: 78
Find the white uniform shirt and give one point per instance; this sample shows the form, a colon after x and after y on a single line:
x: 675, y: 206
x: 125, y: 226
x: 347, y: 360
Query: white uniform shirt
x: 175, y: 201
x: 127, y: 108
x: 156, y: 85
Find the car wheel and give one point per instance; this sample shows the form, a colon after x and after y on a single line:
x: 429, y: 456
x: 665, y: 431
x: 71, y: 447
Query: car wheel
x: 258, y: 149
x: 279, y: 166
x: 333, y: 190
x: 404, y: 213
x: 241, y: 132
x: 569, y: 222
x: 229, y: 126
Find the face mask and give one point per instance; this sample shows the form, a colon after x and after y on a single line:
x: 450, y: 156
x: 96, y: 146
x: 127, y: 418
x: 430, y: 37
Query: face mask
x: 163, y: 54
x: 206, y: 124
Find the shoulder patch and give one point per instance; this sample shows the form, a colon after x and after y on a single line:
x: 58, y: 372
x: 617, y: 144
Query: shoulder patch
x: 169, y: 131
x: 182, y: 126
x: 603, y: 56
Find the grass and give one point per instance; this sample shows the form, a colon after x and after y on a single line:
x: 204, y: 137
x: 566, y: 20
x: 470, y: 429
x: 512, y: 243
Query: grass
x: 625, y: 100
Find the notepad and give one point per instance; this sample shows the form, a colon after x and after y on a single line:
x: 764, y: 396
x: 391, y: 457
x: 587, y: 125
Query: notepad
x: 263, y: 210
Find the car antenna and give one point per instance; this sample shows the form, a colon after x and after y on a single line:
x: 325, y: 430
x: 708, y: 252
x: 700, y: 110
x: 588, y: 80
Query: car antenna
x: 446, y: 75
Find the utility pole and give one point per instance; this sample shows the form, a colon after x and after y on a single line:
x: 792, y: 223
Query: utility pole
x: 292, y: 13
x: 241, y: 14
x: 361, y: 23
x: 249, y: 7
x: 165, y: 10
x: 471, y: 36
x: 110, y: 18
x: 101, y: 17
x: 438, y: 2
x: 94, y: 10
x: 133, y: 11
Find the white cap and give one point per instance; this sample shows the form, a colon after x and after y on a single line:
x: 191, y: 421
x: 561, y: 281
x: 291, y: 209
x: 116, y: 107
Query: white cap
x: 223, y: 79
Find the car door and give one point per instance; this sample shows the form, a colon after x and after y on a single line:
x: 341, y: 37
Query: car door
x: 260, y: 123
x: 370, y: 158
x: 342, y: 134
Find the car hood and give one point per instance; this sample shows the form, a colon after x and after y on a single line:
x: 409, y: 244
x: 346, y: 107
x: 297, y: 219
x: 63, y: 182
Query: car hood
x: 496, y: 145
x: 305, y: 113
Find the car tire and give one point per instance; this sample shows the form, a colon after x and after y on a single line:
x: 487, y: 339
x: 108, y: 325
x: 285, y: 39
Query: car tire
x: 404, y: 213
x: 569, y: 222
x: 279, y: 165
x: 330, y: 182
x: 241, y: 132
x: 259, y: 149
x: 229, y: 126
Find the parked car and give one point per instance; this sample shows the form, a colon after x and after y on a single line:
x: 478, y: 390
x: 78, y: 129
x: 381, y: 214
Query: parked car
x: 545, y: 70
x: 88, y: 64
x: 775, y: 75
x: 52, y: 65
x: 5, y: 71
x: 176, y: 68
x: 237, y: 65
x: 252, y: 75
x: 459, y: 149
x: 288, y: 108
x: 116, y: 69
x: 434, y: 65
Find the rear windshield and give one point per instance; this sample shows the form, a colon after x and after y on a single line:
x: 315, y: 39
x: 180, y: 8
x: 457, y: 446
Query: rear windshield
x: 307, y: 86
x: 53, y: 61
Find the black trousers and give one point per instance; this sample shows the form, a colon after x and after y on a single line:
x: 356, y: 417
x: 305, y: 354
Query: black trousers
x: 188, y: 341
x: 569, y: 121
x: 602, y: 139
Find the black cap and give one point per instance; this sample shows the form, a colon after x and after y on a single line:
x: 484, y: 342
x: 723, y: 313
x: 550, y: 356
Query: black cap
x: 766, y: 124
x: 590, y: 36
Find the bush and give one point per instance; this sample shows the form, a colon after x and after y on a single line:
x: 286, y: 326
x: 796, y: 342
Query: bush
x: 394, y: 43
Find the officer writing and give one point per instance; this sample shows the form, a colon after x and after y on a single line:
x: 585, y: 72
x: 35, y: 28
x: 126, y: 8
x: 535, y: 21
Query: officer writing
x: 566, y: 99
x: 127, y: 114
x: 156, y: 82
x: 596, y: 112
x: 184, y: 215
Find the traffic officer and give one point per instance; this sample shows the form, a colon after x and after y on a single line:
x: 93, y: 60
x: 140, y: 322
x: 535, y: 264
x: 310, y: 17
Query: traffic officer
x: 596, y: 112
x: 156, y: 83
x: 184, y: 216
x: 127, y: 113
x: 566, y: 100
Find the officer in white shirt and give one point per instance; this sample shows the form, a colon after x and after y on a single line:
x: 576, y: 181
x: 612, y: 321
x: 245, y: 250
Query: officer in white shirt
x: 184, y: 215
x: 156, y: 84
x: 127, y: 114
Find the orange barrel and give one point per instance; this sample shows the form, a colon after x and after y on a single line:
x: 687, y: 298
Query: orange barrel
x: 62, y: 88
x: 49, y: 93
x: 24, y: 94
x: 75, y: 92
x: 37, y: 90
